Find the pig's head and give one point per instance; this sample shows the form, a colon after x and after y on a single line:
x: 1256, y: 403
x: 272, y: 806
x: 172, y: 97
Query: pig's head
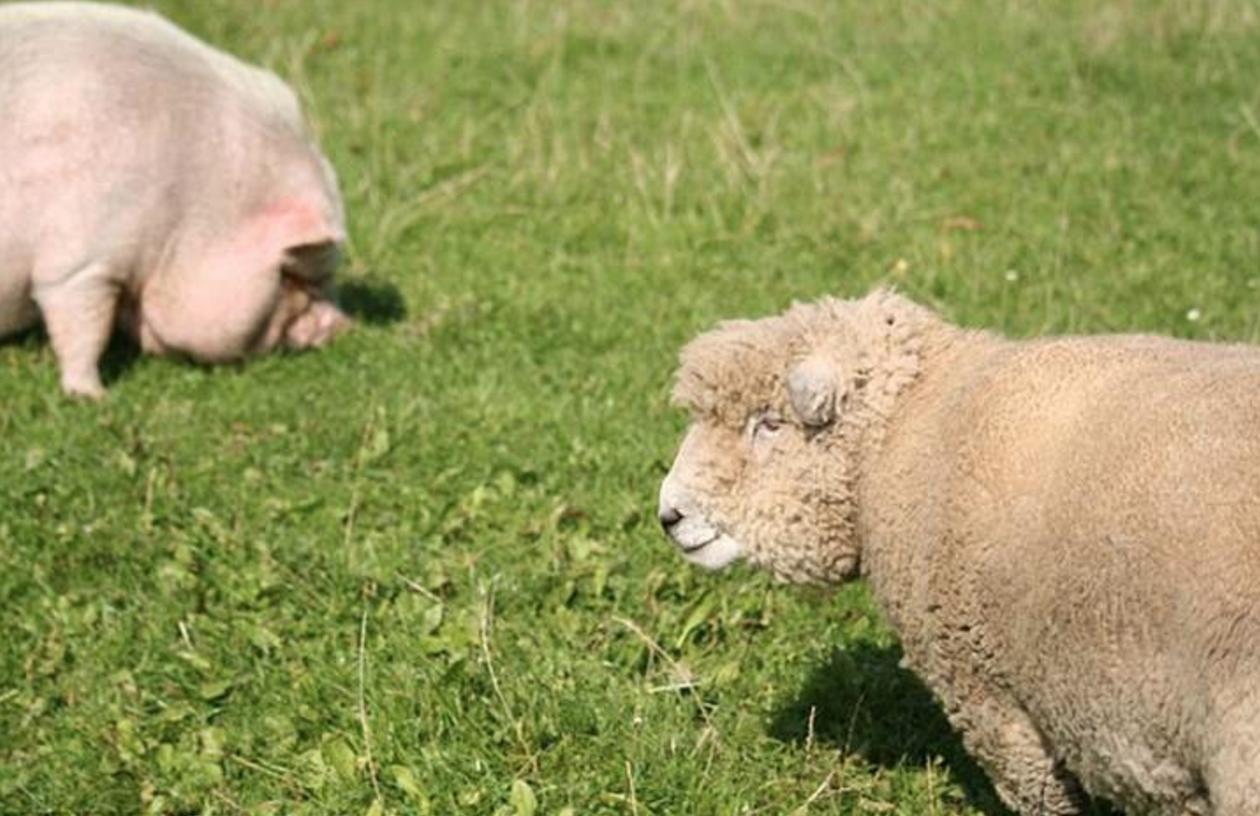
x: 782, y: 412
x: 263, y: 284
x: 306, y: 315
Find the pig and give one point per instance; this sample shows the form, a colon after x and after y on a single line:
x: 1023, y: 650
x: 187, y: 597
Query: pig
x: 151, y: 182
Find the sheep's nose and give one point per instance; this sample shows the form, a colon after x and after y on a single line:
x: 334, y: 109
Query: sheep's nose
x: 669, y: 517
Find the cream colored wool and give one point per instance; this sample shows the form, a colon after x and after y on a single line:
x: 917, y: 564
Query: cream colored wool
x: 1064, y: 532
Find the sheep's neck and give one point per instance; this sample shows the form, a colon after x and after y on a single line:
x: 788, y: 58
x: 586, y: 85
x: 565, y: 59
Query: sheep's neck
x: 890, y: 468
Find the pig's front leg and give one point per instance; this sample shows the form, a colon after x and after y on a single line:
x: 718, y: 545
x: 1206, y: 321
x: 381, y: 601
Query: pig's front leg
x: 78, y: 312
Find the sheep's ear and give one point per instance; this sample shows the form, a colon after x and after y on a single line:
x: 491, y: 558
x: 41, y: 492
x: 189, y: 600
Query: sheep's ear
x: 812, y: 389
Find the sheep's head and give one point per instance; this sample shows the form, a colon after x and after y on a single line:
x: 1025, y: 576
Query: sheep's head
x: 780, y: 408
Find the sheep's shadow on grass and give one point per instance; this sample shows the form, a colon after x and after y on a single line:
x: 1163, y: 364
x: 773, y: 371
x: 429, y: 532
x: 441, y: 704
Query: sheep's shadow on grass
x: 372, y: 302
x: 863, y: 703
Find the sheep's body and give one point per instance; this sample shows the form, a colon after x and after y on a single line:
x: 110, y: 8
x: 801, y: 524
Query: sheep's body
x: 1065, y: 534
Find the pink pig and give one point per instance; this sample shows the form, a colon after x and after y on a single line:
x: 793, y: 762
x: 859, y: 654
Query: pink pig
x: 151, y: 181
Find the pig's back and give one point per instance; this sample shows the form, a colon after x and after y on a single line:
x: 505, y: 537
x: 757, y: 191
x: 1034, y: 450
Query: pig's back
x: 121, y: 78
x: 141, y: 51
x: 117, y: 125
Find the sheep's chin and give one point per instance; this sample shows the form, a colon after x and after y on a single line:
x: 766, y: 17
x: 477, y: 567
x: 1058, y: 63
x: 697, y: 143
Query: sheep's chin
x: 704, y: 543
x: 719, y: 553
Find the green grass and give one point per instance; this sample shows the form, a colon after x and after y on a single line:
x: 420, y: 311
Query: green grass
x: 419, y: 572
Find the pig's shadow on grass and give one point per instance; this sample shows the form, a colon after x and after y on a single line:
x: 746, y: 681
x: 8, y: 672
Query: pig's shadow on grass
x: 121, y: 354
x: 864, y: 704
x: 372, y: 302
x: 375, y: 303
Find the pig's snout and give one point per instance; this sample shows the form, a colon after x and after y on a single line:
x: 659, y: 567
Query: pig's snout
x: 320, y: 323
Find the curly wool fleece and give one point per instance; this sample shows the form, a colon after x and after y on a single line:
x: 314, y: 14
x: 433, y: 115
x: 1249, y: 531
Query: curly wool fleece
x: 1065, y: 532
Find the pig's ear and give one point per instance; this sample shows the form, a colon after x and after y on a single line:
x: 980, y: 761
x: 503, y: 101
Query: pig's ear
x: 312, y: 263
x: 304, y: 239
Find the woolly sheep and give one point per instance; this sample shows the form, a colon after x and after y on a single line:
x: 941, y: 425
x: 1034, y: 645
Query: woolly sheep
x: 1064, y: 532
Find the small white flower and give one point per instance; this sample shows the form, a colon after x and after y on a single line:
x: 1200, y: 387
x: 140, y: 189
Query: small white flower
x: 901, y: 266
x: 1011, y: 275
x: 1193, y: 315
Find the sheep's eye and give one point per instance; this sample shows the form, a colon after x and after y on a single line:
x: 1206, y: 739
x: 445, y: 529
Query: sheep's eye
x: 765, y: 427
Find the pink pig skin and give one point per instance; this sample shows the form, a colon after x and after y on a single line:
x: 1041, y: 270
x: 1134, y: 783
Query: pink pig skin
x: 152, y: 181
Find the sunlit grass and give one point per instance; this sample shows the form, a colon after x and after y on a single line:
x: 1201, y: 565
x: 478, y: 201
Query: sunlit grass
x: 420, y: 570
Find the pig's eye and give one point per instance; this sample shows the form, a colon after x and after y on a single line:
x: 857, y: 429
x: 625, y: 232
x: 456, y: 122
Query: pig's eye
x: 765, y: 427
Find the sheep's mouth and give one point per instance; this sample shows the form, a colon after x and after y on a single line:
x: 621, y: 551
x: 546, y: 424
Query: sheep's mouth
x: 693, y: 532
x: 699, y: 545
x: 689, y: 529
x: 712, y: 551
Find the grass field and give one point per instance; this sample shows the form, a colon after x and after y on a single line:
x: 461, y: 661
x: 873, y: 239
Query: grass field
x: 420, y: 572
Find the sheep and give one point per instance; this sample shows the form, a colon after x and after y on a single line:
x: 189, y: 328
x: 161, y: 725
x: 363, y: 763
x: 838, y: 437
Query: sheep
x: 1065, y: 532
